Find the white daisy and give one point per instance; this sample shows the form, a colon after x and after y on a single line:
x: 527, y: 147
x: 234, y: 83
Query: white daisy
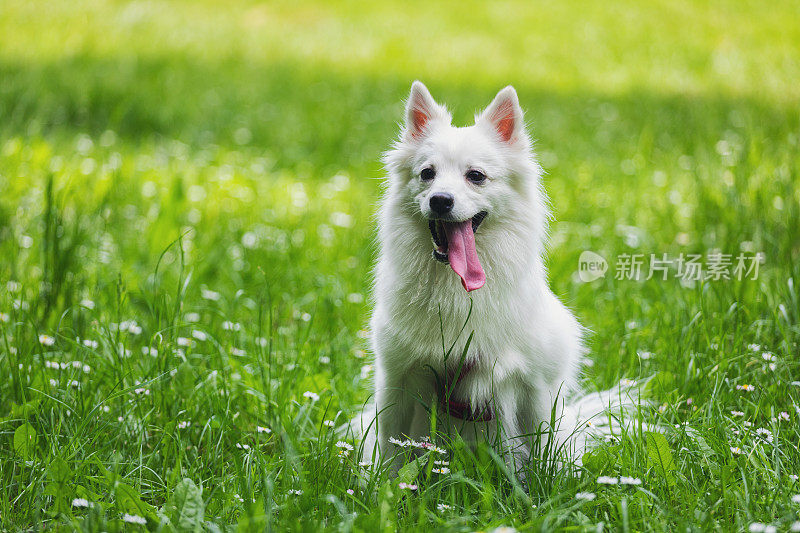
x: 133, y: 519
x: 587, y: 496
x: 402, y: 443
x: 313, y: 396
x: 607, y: 480
x: 426, y: 444
x: 344, y: 446
x: 207, y: 294
x: 262, y: 429
x: 765, y: 434
x: 81, y: 502
x: 46, y: 340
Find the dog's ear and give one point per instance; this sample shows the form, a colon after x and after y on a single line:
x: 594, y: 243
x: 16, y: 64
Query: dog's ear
x: 421, y: 110
x: 504, y: 116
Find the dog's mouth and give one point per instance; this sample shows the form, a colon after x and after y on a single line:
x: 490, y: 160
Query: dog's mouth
x: 454, y: 243
x: 437, y: 227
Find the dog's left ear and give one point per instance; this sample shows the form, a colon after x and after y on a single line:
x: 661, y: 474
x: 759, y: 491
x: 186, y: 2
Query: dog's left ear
x: 504, y: 116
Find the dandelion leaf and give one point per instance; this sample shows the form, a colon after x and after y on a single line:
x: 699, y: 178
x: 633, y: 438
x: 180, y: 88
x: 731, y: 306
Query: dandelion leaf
x: 186, y: 507
x: 659, y: 456
x: 25, y: 440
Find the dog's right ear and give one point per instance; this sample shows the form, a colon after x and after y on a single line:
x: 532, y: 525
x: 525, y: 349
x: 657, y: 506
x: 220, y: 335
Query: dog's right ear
x: 421, y: 110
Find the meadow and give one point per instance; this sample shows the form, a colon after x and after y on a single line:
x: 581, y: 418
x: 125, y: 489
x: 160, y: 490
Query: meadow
x: 187, y: 193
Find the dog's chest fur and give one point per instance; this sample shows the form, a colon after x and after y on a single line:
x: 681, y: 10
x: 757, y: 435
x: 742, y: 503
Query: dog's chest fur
x: 423, y: 308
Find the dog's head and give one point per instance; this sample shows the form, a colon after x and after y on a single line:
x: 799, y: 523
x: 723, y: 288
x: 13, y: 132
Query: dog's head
x: 456, y: 179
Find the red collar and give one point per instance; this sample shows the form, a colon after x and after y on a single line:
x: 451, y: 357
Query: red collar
x: 460, y: 409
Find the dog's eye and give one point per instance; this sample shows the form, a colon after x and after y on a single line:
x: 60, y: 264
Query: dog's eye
x: 427, y: 174
x: 476, y: 176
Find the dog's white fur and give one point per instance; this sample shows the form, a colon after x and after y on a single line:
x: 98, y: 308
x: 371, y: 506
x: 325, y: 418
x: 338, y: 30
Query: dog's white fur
x: 527, y: 346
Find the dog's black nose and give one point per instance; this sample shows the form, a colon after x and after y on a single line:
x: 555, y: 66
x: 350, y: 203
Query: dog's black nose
x: 442, y: 203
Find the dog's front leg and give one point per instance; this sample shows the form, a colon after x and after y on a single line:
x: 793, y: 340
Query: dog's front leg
x: 395, y: 410
x: 513, y: 437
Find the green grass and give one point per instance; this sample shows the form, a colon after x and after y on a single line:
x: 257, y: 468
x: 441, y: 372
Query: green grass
x: 205, y: 175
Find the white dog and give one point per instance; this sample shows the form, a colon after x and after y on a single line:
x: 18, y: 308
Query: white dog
x: 464, y: 217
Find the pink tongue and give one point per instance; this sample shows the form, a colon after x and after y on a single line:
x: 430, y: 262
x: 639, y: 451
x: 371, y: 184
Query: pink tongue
x: 462, y: 255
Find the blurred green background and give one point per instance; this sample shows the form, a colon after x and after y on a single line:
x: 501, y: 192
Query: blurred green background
x: 253, y: 132
x: 677, y: 121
